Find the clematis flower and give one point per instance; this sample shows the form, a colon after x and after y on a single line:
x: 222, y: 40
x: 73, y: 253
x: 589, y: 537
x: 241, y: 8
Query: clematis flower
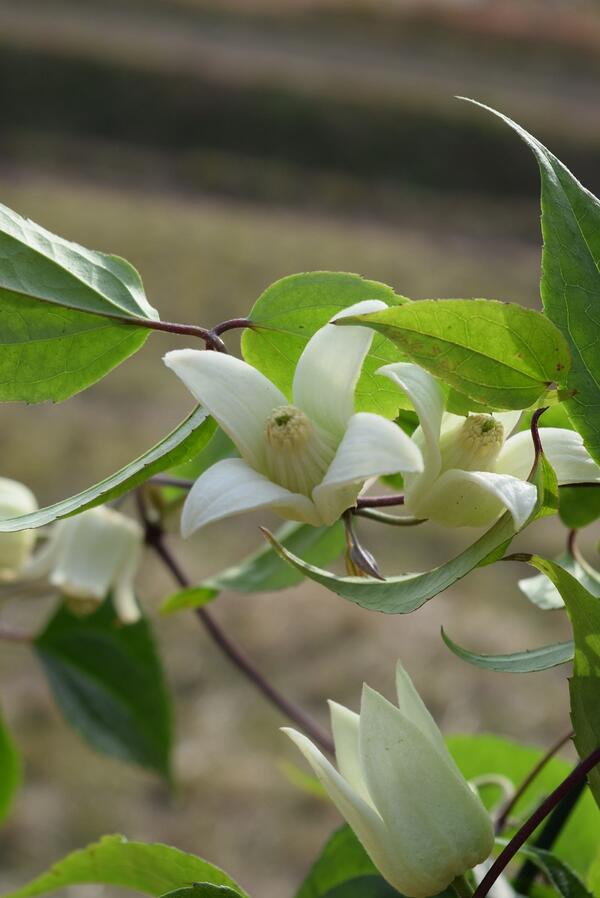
x: 307, y: 459
x: 91, y: 555
x: 15, y: 548
x: 401, y: 792
x: 472, y: 472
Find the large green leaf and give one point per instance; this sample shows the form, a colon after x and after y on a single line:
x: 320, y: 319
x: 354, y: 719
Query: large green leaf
x: 151, y: 869
x: 542, y: 591
x: 108, y: 681
x: 570, y: 284
x: 51, y: 353
x: 481, y: 755
x: 499, y: 354
x: 290, y: 311
x: 584, y: 611
x: 364, y: 887
x: 264, y: 571
x: 529, y: 661
x: 186, y: 440
x: 60, y: 306
x: 10, y: 770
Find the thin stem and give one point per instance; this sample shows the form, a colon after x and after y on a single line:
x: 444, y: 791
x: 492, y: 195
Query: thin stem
x: 232, y: 324
x: 179, y: 482
x: 571, y: 782
x: 551, y: 831
x: 9, y: 635
x: 379, y: 501
x: 535, y: 433
x: 507, y: 808
x: 571, y: 542
x: 382, y: 518
x: 155, y: 539
x: 211, y: 339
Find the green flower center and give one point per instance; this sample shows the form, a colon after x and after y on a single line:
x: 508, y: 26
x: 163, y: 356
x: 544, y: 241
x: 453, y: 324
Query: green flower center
x: 298, y: 453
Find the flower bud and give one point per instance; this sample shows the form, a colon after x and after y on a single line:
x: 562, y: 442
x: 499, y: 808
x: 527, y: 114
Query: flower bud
x: 91, y: 555
x: 401, y: 792
x: 15, y: 548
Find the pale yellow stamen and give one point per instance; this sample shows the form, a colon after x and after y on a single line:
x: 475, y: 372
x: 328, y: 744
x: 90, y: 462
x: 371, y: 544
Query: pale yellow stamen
x: 298, y: 453
x: 474, y: 446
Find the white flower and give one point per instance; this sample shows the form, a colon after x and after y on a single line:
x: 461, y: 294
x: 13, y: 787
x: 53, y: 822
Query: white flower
x: 401, y: 792
x: 307, y: 460
x: 15, y: 548
x: 91, y: 555
x: 472, y: 472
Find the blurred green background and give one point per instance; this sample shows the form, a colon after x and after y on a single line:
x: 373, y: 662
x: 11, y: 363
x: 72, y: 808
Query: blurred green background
x: 218, y: 147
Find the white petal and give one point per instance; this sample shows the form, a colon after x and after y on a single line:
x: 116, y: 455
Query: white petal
x: 437, y: 824
x: 474, y: 499
x: 509, y: 420
x: 427, y: 396
x: 371, y: 446
x: 413, y: 707
x: 564, y: 449
x: 363, y: 819
x: 328, y: 370
x: 230, y: 487
x: 344, y: 726
x: 238, y: 396
x: 124, y: 599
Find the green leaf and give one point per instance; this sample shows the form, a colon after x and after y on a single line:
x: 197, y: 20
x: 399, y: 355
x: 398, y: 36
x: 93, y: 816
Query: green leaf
x: 51, y: 353
x: 579, y: 505
x: 501, y: 355
x: 290, y: 311
x: 594, y: 875
x: 188, y: 438
x: 343, y: 858
x: 60, y: 306
x: 364, y: 887
x: 152, y: 869
x: 401, y: 595
x: 38, y: 264
x: 481, y: 755
x: 570, y: 285
x: 529, y: 661
x: 10, y: 770
x: 560, y: 875
x: 543, y: 593
x: 108, y: 681
x: 264, y: 571
x: 584, y: 611
x: 204, y: 890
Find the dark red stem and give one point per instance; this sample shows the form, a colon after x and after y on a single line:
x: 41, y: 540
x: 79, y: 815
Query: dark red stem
x: 379, y: 501
x: 545, y: 808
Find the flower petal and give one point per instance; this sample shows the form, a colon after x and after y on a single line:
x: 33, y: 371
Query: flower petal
x: 363, y: 819
x: 328, y: 370
x: 230, y: 487
x: 509, y: 420
x: 474, y: 498
x: 123, y: 595
x: 344, y: 726
x: 371, y: 446
x: 427, y: 396
x: 413, y: 707
x: 417, y: 795
x: 564, y: 449
x: 238, y: 396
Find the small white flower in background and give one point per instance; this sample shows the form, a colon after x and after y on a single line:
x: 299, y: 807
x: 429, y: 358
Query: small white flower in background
x: 472, y: 472
x: 307, y: 460
x: 401, y: 792
x: 15, y: 548
x: 91, y: 555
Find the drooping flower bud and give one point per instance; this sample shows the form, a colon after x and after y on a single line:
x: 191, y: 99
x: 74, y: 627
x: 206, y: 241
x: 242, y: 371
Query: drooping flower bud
x: 401, y: 792
x: 15, y: 548
x: 91, y: 555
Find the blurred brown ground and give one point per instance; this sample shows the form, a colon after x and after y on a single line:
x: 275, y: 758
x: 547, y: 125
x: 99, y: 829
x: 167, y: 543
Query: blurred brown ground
x: 206, y: 256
